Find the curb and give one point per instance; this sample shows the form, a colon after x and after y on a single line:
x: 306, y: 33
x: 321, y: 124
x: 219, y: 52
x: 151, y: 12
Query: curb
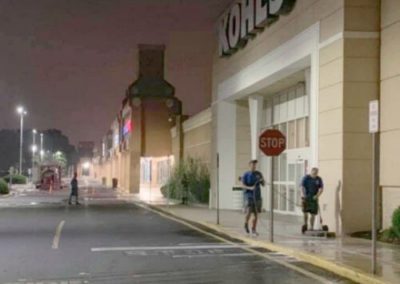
x: 8, y: 195
x: 348, y: 272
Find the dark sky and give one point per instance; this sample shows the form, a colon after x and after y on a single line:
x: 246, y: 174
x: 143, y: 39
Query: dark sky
x: 70, y: 61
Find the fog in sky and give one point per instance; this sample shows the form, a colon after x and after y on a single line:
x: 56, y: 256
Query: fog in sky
x: 70, y: 61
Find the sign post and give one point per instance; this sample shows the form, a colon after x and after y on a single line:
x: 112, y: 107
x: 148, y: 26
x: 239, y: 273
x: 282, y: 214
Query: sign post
x: 150, y: 178
x: 374, y: 129
x: 272, y: 143
x: 169, y: 176
x: 217, y: 189
x: 10, y: 180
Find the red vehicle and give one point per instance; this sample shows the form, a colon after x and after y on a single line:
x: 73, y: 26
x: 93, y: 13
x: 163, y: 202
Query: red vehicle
x: 50, y: 177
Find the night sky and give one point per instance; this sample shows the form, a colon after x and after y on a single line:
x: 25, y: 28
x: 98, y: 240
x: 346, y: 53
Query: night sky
x: 70, y: 61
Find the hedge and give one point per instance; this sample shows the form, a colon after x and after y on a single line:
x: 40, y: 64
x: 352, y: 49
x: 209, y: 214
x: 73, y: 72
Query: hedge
x: 16, y: 179
x: 3, y: 187
x: 190, y: 180
x: 396, y: 222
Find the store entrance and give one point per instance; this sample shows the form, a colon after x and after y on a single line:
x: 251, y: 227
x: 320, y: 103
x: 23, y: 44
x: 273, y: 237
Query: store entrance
x: 290, y: 169
x: 288, y: 110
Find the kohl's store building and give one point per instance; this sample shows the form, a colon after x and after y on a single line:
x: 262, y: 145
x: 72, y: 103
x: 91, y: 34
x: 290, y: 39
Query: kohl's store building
x: 309, y: 68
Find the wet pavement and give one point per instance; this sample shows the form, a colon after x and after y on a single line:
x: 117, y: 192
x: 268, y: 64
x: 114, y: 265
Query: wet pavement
x: 350, y: 252
x: 110, y: 239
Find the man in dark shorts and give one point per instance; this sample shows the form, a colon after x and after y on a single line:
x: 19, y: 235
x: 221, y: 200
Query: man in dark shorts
x: 252, y: 182
x: 74, y: 189
x: 312, y: 187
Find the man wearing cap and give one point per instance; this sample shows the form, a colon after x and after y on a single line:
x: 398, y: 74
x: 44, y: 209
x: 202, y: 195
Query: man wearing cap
x: 312, y: 187
x: 252, y: 181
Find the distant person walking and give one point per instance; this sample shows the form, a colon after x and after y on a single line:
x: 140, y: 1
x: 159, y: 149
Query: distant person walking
x: 252, y: 181
x: 74, y: 189
x: 312, y: 187
x: 51, y: 186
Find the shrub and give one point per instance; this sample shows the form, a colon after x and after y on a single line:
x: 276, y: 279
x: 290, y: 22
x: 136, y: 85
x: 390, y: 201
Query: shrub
x: 396, y: 222
x: 190, y: 179
x: 388, y: 235
x: 16, y: 179
x: 3, y: 187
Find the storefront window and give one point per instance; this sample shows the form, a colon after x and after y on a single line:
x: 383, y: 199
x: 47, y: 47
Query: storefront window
x: 288, y: 111
x: 275, y: 165
x: 283, y: 167
x: 301, y: 133
x: 291, y: 137
x: 145, y: 170
x: 282, y: 197
x: 292, y: 198
x: 276, y: 196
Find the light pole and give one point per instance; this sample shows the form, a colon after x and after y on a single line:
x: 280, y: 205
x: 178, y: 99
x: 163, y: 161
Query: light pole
x: 41, y: 147
x: 34, y: 150
x: 34, y: 147
x: 22, y: 112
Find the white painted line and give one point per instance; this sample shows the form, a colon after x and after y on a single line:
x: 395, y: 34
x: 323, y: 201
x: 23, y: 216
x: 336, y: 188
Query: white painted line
x: 57, y: 236
x: 200, y: 244
x: 248, y: 249
x: 213, y: 255
x: 104, y: 249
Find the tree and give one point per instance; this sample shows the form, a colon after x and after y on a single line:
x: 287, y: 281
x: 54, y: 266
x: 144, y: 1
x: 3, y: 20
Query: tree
x: 60, y: 158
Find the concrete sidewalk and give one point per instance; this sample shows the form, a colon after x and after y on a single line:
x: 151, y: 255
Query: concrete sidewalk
x: 346, y: 256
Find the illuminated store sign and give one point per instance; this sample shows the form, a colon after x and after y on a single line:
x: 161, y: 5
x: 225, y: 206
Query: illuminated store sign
x: 127, y: 127
x: 245, y: 19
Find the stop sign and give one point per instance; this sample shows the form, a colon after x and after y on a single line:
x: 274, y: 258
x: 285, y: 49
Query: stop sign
x: 272, y: 142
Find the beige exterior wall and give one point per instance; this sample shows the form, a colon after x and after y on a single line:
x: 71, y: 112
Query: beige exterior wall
x: 156, y: 129
x: 243, y: 141
x: 349, y: 79
x: 330, y: 14
x: 193, y: 138
x: 197, y: 137
x: 175, y: 144
x: 197, y: 143
x: 150, y: 137
x: 390, y: 103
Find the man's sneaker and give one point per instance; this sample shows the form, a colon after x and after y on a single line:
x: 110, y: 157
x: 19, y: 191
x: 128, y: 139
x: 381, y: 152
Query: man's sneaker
x: 246, y: 228
x: 303, y: 229
x: 254, y: 233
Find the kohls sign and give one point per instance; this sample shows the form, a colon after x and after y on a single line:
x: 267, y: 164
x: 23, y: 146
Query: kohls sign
x: 245, y: 19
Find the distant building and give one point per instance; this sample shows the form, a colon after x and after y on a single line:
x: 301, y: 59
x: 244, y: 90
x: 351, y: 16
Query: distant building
x: 137, y: 148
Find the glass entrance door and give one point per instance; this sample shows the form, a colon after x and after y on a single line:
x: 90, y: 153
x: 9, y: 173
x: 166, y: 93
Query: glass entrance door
x: 290, y: 168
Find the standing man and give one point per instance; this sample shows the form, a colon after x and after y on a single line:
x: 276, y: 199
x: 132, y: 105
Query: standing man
x: 312, y: 187
x: 74, y: 189
x: 252, y: 181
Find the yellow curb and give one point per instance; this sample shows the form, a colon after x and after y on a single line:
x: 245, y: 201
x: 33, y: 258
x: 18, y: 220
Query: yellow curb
x: 186, y: 222
x: 341, y: 270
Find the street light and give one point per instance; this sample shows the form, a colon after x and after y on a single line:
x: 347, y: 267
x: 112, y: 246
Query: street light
x: 34, y: 150
x: 41, y: 147
x: 34, y: 146
x: 86, y: 165
x: 22, y: 112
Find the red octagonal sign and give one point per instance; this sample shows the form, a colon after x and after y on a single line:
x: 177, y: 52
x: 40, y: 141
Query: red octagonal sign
x: 272, y: 142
